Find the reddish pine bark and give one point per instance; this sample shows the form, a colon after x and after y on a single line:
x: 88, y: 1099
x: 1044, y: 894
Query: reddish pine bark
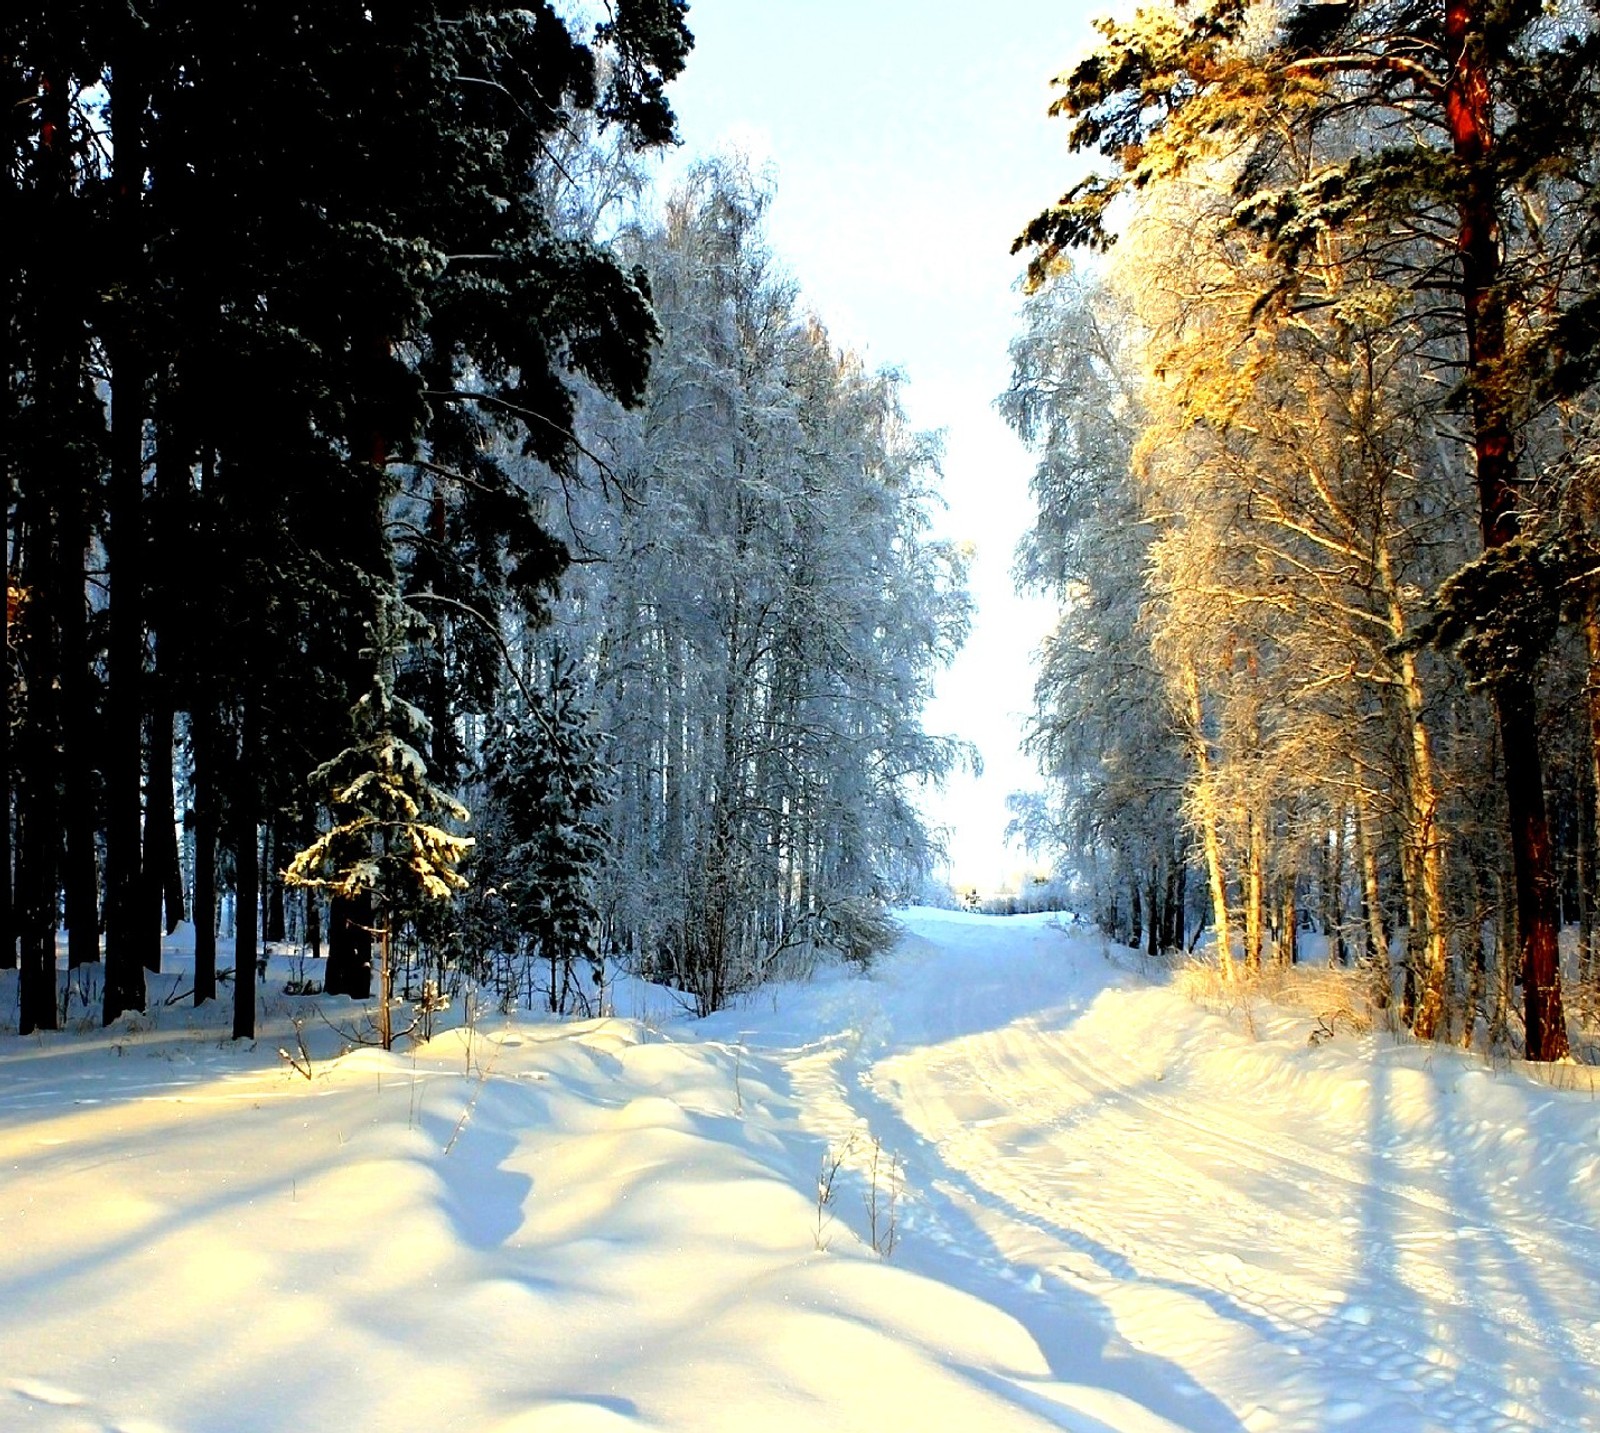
x: 1469, y: 115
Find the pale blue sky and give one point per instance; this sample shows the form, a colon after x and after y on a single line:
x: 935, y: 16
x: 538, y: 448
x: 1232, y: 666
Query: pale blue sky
x: 910, y: 144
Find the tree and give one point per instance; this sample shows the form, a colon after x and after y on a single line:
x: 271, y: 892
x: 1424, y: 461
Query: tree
x: 386, y: 839
x: 1439, y: 139
x: 545, y: 843
x: 51, y: 450
x: 1103, y: 727
x: 306, y: 252
x: 766, y: 622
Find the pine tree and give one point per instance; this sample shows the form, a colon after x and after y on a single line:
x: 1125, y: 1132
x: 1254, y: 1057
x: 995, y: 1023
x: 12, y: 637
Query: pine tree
x: 547, y: 786
x: 316, y: 248
x: 386, y: 840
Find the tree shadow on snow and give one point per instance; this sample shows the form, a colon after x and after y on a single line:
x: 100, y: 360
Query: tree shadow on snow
x: 1071, y: 1328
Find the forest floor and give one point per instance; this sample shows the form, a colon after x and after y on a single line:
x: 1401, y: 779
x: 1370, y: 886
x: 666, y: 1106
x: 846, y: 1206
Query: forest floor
x: 1111, y: 1208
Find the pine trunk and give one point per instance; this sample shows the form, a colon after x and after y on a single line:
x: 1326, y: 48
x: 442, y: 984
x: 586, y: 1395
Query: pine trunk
x: 124, y: 982
x: 1533, y: 873
x: 275, y: 927
x: 1591, y: 638
x: 45, y: 481
x: 1469, y: 113
x: 246, y: 884
x: 8, y: 923
x: 38, y: 802
x: 160, y: 834
x: 203, y: 737
x: 1506, y: 957
x: 1585, y: 878
x: 80, y: 874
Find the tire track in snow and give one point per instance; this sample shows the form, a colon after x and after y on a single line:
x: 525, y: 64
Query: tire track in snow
x: 1033, y: 1122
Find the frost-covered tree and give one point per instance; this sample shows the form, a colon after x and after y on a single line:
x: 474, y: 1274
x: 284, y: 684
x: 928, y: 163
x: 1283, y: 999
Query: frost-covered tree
x: 1103, y: 729
x: 388, y: 839
x: 543, y: 842
x: 1440, y: 160
x: 766, y: 622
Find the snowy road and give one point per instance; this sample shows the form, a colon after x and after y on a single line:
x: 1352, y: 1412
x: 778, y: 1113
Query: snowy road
x: 1116, y: 1212
x: 1314, y: 1239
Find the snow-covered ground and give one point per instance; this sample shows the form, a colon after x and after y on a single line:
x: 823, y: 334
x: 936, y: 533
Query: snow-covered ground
x: 1112, y: 1209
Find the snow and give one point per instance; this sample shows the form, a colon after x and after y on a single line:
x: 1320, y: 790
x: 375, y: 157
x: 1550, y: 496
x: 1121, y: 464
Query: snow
x: 1115, y: 1210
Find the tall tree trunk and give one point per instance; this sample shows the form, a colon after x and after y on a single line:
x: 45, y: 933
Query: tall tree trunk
x: 1584, y: 831
x: 124, y: 983
x: 1210, y: 835
x: 1469, y: 113
x: 1428, y: 952
x: 1533, y: 871
x: 80, y: 874
x: 1372, y: 907
x: 1507, y: 964
x: 167, y: 519
x: 1289, y: 944
x: 8, y: 927
x: 275, y: 927
x: 1178, y: 902
x: 246, y: 882
x: 160, y: 832
x: 45, y: 484
x: 349, y: 969
x: 1255, y: 884
x: 203, y: 738
x: 38, y: 800
x: 1153, y: 945
x: 1411, y: 880
x: 1591, y: 640
x: 1475, y: 962
x: 1428, y: 864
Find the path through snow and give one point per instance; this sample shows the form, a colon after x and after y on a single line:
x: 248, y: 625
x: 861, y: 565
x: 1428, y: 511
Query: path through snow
x: 1119, y: 1212
x: 1360, y: 1235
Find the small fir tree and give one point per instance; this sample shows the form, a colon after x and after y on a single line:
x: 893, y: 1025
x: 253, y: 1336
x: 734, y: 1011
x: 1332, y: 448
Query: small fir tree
x: 387, y: 839
x: 548, y: 785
